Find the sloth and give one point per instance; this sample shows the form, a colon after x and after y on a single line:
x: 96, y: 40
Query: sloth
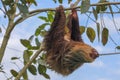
x: 65, y: 49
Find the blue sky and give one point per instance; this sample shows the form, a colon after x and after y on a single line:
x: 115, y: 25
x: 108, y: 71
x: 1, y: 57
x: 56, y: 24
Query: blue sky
x: 103, y: 68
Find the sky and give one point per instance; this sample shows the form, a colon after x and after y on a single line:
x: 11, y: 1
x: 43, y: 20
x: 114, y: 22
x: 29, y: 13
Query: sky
x: 103, y: 68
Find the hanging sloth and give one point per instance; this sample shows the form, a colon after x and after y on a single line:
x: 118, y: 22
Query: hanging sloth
x: 65, y: 49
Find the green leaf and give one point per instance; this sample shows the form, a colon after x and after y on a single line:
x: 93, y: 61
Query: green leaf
x: 0, y: 30
x: 95, y: 14
x: 105, y: 34
x: 26, y: 56
x: 43, y: 56
x: 82, y: 29
x: 37, y: 42
x: 91, y: 34
x: 34, y: 48
x: 41, y: 69
x: 43, y: 33
x: 69, y: 1
x: 23, y: 9
x: 32, y: 69
x: 25, y: 43
x: 118, y: 47
x: 31, y: 1
x: 35, y: 3
x: 98, y: 31
x: 14, y: 73
x: 98, y: 9
x: 40, y: 29
x: 111, y: 11
x: 60, y: 1
x: 54, y: 1
x: 43, y: 18
x: 25, y: 75
x: 37, y: 32
x: 23, y: 1
x: 101, y: 8
x: 14, y: 58
x: 85, y: 5
x: 46, y: 76
x: 31, y: 38
x: 8, y: 2
x: 50, y: 17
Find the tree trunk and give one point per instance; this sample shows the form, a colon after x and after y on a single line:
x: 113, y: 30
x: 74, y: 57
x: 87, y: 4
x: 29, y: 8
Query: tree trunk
x: 5, y: 39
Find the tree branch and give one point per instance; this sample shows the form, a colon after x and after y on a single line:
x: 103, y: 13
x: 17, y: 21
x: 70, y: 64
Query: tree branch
x: 35, y: 12
x: 28, y: 63
x: 107, y: 54
x: 9, y: 29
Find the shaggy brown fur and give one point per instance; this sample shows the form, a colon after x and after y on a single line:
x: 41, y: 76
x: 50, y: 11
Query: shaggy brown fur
x: 66, y: 55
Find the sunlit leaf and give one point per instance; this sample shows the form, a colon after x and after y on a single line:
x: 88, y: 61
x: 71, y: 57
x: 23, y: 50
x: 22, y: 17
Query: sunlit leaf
x: 37, y: 42
x: 23, y: 9
x: 98, y: 31
x: 23, y: 1
x: 41, y: 69
x: 101, y: 8
x: 46, y: 76
x: 44, y: 18
x: 34, y: 48
x: 43, y: 56
x: 105, y: 34
x: 8, y: 2
x: 15, y: 58
x: 69, y: 1
x: 50, y: 17
x: 37, y: 32
x: 43, y: 33
x: 91, y: 34
x: 26, y: 56
x: 60, y: 1
x: 14, y: 73
x: 32, y: 69
x: 25, y: 75
x: 85, y: 5
x: 118, y: 47
x: 40, y: 29
x: 82, y: 29
x: 25, y: 43
x: 42, y: 60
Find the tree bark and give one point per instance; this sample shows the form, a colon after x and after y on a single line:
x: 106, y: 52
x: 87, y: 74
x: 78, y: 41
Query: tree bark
x: 5, y: 39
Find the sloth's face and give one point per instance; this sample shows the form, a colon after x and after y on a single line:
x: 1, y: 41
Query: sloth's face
x: 84, y: 52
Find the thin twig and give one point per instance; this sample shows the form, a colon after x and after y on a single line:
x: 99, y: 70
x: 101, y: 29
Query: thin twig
x: 104, y: 12
x: 90, y: 18
x: 2, y: 11
x: 4, y: 6
x: 107, y: 54
x: 35, y: 12
x: 28, y: 64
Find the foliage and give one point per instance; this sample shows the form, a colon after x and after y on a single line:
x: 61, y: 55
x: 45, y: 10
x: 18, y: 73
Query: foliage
x: 101, y: 32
